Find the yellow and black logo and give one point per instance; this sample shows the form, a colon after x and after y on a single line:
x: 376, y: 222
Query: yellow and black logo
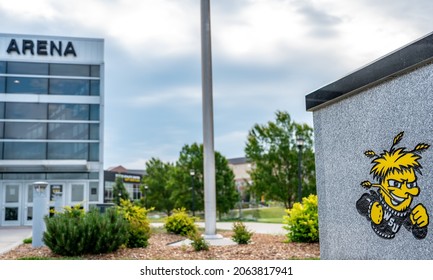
x: 388, y: 207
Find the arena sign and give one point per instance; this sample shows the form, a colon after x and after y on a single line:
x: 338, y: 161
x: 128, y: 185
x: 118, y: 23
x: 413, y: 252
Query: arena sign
x: 41, y: 47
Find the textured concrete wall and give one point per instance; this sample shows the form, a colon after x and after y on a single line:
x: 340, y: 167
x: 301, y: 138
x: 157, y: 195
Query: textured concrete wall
x: 344, y: 130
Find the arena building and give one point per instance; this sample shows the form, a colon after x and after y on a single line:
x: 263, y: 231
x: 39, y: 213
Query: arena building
x: 51, y: 122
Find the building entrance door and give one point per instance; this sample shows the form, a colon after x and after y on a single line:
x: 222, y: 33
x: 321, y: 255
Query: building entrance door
x: 11, y: 205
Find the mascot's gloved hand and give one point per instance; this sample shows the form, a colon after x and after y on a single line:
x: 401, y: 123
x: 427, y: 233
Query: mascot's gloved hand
x: 419, y: 216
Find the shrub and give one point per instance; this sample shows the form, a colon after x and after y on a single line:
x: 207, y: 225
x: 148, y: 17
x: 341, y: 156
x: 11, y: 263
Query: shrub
x: 198, y: 242
x: 241, y: 234
x: 28, y: 240
x: 139, y: 226
x: 74, y: 233
x: 303, y: 221
x: 180, y: 223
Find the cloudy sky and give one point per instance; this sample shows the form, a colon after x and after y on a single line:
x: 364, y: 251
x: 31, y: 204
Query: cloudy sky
x: 267, y: 55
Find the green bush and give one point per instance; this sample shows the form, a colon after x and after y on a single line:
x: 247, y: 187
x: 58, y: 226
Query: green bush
x: 198, y: 242
x: 180, y: 223
x: 303, y: 221
x: 74, y: 233
x: 139, y: 226
x: 241, y: 234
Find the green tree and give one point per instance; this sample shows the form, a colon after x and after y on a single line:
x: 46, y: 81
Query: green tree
x: 191, y: 159
x: 119, y: 191
x: 160, y: 184
x: 273, y: 151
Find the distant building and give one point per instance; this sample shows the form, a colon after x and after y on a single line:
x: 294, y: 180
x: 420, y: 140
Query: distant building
x: 131, y: 180
x: 241, y: 167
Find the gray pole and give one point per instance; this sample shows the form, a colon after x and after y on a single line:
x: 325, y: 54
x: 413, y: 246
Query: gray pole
x: 208, y: 131
x: 40, y: 202
x: 299, y: 174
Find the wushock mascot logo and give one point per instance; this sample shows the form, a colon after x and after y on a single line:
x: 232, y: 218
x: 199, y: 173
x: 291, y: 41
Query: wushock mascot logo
x: 388, y: 207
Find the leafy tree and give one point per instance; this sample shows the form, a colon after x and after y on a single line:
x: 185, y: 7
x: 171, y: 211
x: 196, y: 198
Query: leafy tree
x: 191, y: 158
x: 273, y: 151
x: 119, y: 191
x: 160, y: 185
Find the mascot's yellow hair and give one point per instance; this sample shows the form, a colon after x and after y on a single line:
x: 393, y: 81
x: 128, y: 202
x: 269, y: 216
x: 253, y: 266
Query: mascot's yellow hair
x: 396, y: 159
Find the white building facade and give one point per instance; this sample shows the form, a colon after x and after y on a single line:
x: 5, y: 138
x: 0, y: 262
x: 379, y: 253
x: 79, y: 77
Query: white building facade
x: 51, y: 122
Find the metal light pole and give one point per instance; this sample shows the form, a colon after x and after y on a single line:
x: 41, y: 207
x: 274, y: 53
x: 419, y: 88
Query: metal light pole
x: 208, y: 131
x: 192, y: 173
x: 300, y: 143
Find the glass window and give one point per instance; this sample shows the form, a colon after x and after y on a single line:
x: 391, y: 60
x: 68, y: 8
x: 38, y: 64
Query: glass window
x: 27, y: 85
x: 95, y: 71
x: 30, y: 193
x: 2, y: 84
x: 17, y: 110
x: 94, y: 87
x: 2, y: 110
x: 25, y: 130
x: 94, y: 112
x: 69, y: 70
x: 68, y: 176
x: 93, y: 152
x: 12, y: 193
x: 24, y: 150
x: 27, y: 68
x: 69, y: 87
x: 29, y: 213
x: 78, y: 131
x: 68, y: 112
x: 93, y: 191
x: 67, y: 151
x: 2, y: 67
x: 57, y: 188
x: 77, y: 192
x: 94, y: 132
x: 93, y: 175
x: 2, y: 124
x: 11, y: 213
x: 24, y: 176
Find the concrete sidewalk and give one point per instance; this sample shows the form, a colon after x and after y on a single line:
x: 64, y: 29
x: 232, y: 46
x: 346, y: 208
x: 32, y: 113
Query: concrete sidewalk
x: 11, y: 237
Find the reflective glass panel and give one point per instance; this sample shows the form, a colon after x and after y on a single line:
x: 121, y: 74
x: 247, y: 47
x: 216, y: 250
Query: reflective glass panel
x: 16, y: 110
x: 67, y: 150
x: 68, y: 112
x: 94, y: 152
x: 25, y: 130
x: 29, y: 213
x: 11, y: 213
x: 67, y: 131
x: 94, y: 131
x: 95, y: 71
x: 2, y: 67
x: 70, y: 70
x: 27, y: 68
x: 12, y: 193
x: 30, y: 193
x: 24, y: 150
x: 94, y: 112
x: 77, y: 192
x: 94, y: 87
x: 2, y: 110
x: 93, y: 191
x: 69, y: 87
x: 26, y: 85
x: 2, y: 84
